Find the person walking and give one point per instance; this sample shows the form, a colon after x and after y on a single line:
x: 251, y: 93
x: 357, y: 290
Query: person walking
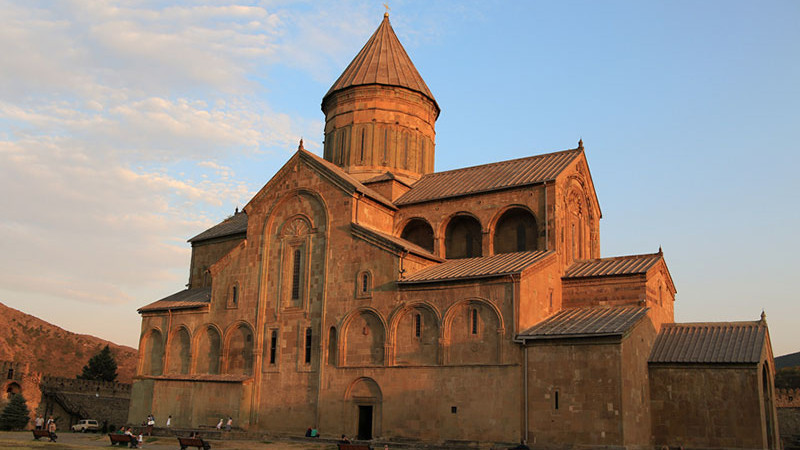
x: 169, y: 421
x: 219, y: 424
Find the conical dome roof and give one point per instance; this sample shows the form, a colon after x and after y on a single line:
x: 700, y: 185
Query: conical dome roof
x: 383, y: 60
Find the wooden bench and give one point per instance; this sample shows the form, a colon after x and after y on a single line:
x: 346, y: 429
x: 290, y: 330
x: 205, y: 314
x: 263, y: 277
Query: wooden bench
x: 193, y: 442
x: 37, y: 434
x: 354, y: 447
x: 123, y: 439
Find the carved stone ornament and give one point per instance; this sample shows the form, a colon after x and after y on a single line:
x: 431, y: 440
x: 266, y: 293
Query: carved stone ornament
x: 296, y: 227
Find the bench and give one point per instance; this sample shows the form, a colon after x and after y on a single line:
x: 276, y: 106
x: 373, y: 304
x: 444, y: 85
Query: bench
x: 37, y: 434
x: 354, y: 447
x: 193, y: 442
x: 123, y: 439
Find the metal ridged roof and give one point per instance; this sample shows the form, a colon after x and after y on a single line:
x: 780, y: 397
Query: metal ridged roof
x: 402, y: 244
x: 481, y: 267
x: 234, y: 224
x: 619, y: 265
x: 382, y: 60
x: 710, y: 343
x: 185, y: 299
x: 488, y: 177
x: 586, y: 322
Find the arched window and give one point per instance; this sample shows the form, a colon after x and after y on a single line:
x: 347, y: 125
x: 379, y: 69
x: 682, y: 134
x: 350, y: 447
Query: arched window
x: 233, y: 298
x: 364, y: 284
x: 516, y: 231
x: 419, y: 231
x: 463, y: 238
x: 296, y: 242
x: 273, y: 347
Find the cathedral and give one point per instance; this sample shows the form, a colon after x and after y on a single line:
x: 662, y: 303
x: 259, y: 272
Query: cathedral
x: 363, y: 293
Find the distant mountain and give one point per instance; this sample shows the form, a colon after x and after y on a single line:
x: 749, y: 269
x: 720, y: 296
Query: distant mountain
x: 54, y: 351
x: 790, y: 360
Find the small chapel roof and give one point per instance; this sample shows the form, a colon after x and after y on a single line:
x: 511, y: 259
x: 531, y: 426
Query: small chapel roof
x: 384, y: 61
x: 586, y: 322
x: 480, y: 267
x: 235, y: 224
x: 489, y: 177
x: 710, y: 343
x: 185, y: 299
x: 398, y: 243
x: 617, y: 265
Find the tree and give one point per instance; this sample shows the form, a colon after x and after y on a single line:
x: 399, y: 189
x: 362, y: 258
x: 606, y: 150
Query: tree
x: 15, y: 415
x: 101, y: 367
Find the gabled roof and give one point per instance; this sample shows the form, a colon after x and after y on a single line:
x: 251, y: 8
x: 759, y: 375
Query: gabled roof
x: 398, y: 243
x: 710, y: 343
x: 185, y: 299
x: 618, y: 265
x: 586, y: 322
x: 384, y: 61
x: 342, y: 178
x: 489, y: 177
x: 480, y: 267
x: 234, y: 224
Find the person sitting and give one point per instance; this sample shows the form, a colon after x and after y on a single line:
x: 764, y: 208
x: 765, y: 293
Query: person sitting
x: 314, y: 433
x: 308, y: 432
x: 132, y: 437
x: 344, y: 440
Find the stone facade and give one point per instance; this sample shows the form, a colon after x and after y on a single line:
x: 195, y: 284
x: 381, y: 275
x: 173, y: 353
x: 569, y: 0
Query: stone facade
x: 68, y: 400
x: 362, y: 293
x: 18, y: 379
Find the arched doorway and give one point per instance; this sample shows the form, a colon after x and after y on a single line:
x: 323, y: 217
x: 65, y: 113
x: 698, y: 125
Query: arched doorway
x: 363, y: 401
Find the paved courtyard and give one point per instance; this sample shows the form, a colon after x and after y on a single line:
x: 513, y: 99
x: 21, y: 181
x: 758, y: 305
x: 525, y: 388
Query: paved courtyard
x: 67, y: 440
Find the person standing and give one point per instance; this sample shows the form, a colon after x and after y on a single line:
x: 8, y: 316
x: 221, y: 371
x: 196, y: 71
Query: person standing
x: 51, y: 428
x: 169, y: 421
x: 151, y: 421
x: 219, y: 424
x: 229, y: 424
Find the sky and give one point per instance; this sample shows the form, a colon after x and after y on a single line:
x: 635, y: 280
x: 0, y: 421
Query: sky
x: 129, y: 126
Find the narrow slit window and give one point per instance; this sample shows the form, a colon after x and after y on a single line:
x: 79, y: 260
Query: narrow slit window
x: 473, y: 321
x: 364, y: 283
x: 385, y: 145
x: 308, y: 346
x: 417, y: 325
x: 273, y: 346
x: 296, y: 275
x: 556, y: 400
x: 235, y: 296
x: 363, y: 138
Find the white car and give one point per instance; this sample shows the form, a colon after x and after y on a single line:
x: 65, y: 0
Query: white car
x: 86, y: 425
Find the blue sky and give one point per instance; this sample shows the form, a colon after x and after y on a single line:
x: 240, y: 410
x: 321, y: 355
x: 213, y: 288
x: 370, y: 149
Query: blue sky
x: 128, y: 126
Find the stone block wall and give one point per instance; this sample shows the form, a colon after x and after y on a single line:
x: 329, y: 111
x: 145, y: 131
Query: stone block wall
x: 706, y: 406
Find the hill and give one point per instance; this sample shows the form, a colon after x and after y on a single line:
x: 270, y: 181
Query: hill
x: 54, y: 351
x: 790, y: 360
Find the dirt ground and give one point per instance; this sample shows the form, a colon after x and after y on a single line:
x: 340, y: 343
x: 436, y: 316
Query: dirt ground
x: 69, y: 441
